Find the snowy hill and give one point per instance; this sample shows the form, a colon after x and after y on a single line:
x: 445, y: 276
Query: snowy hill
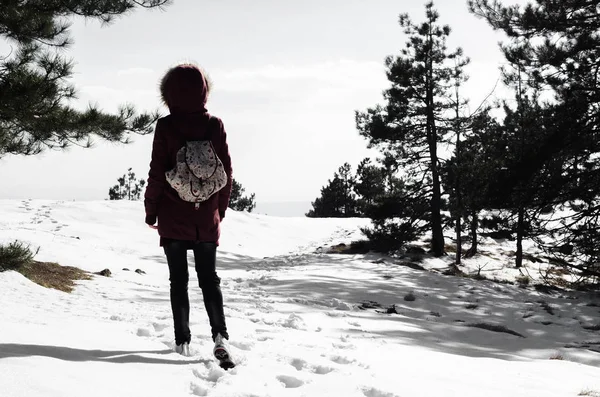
x: 300, y: 321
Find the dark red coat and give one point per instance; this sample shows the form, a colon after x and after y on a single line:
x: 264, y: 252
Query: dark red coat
x: 185, y: 94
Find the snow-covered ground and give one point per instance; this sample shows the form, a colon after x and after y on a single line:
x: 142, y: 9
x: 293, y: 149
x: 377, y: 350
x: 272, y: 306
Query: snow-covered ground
x: 294, y: 314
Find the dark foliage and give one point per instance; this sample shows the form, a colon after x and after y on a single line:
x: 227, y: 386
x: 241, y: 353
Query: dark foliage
x: 36, y: 111
x: 555, y: 44
x: 127, y: 188
x: 238, y: 201
x: 15, y: 255
x: 338, y: 199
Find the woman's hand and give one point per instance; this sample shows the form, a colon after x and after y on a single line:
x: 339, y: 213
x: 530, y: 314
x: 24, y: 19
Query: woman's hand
x: 150, y: 221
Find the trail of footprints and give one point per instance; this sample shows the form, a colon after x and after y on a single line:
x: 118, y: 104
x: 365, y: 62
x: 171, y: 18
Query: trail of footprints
x: 254, y: 307
x: 42, y: 214
x: 207, y: 374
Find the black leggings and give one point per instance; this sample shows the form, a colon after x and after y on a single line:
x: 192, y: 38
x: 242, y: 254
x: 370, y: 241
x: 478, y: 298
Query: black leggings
x: 205, y: 256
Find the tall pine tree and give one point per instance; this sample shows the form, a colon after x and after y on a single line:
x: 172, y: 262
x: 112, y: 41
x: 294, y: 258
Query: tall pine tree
x: 412, y: 124
x: 36, y: 97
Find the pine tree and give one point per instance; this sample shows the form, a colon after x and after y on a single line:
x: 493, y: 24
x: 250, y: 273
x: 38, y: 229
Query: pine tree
x: 369, y: 186
x: 412, y: 124
x: 477, y: 165
x: 398, y: 210
x: 36, y: 110
x: 556, y: 44
x: 127, y: 188
x: 238, y: 201
x: 337, y: 199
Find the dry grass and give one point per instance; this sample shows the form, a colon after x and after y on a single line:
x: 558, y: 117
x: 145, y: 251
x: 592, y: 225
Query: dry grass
x: 53, y: 275
x: 449, y: 248
x: 589, y: 392
x: 558, y: 271
x: 523, y: 280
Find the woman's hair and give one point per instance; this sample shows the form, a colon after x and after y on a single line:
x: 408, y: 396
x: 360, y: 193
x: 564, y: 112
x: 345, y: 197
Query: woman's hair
x: 185, y: 87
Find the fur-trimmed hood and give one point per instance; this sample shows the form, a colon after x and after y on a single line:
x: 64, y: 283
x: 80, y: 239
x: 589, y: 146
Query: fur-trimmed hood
x: 184, y: 89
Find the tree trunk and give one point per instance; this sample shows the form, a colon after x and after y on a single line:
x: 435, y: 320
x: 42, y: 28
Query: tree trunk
x: 458, y: 241
x: 458, y: 209
x: 520, y: 232
x: 474, y: 225
x: 437, y: 234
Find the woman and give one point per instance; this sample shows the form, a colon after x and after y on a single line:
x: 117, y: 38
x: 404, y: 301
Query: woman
x: 184, y: 225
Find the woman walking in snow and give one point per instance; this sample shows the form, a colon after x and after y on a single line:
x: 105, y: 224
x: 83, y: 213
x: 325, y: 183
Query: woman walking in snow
x: 188, y: 193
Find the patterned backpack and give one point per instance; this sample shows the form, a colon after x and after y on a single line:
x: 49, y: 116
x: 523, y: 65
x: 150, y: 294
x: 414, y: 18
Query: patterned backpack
x: 198, y: 172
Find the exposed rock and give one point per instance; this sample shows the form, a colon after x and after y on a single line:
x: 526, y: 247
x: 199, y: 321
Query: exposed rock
x: 412, y: 265
x: 105, y: 273
x: 392, y: 310
x: 410, y: 297
x: 369, y: 305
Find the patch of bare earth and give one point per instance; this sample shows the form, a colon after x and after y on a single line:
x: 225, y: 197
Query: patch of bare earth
x: 53, y: 275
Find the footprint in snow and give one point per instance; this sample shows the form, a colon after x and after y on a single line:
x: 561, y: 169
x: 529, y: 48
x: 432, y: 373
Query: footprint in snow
x: 294, y: 321
x: 298, y: 363
x: 210, y: 372
x: 342, y: 360
x: 337, y: 314
x: 322, y: 370
x: 158, y: 327
x: 198, y: 390
x: 290, y: 382
x: 343, y: 346
x: 372, y: 392
x: 144, y: 332
x: 242, y: 345
x: 301, y: 365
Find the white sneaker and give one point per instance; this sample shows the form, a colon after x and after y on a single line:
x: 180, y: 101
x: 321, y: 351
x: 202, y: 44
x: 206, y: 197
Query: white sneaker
x: 183, y: 349
x: 221, y: 349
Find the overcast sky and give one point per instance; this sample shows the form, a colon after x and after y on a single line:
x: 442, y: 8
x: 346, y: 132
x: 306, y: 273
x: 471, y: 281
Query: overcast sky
x: 288, y: 76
